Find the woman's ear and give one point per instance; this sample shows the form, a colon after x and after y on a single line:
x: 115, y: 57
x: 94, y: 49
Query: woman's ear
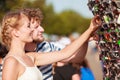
x: 15, y: 33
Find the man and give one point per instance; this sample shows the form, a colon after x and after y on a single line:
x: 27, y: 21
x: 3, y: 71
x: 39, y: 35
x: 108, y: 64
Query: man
x: 40, y: 45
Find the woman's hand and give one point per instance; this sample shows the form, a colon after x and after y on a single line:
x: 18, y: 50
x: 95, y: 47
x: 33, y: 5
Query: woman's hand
x: 95, y: 23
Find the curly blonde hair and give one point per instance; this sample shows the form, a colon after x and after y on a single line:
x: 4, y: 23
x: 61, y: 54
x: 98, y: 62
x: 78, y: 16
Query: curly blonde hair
x: 9, y: 22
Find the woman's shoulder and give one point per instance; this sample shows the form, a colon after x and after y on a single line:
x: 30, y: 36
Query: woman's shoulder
x: 10, y: 64
x: 10, y: 60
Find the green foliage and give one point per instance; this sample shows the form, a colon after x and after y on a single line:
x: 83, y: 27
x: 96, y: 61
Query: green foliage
x: 35, y: 4
x: 66, y: 23
x: 63, y: 23
x: 7, y: 5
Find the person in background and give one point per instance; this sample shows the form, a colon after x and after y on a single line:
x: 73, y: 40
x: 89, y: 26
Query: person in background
x: 39, y: 45
x: 17, y: 27
x: 85, y: 71
x: 65, y: 70
x: 3, y: 52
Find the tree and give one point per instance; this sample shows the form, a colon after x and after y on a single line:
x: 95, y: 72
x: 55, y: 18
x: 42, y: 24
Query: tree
x: 7, y: 5
x: 63, y: 23
x: 67, y: 22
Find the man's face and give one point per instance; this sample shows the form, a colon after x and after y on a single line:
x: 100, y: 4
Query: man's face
x: 37, y: 30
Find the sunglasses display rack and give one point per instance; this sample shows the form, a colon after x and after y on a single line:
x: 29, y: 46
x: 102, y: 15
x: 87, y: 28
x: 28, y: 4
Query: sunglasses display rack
x: 109, y: 36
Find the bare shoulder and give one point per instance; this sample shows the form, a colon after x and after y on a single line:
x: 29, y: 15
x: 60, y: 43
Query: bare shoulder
x: 10, y: 61
x: 10, y: 68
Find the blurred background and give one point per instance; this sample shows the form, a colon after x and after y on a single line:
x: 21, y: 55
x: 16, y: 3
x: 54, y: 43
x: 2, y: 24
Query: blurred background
x: 63, y: 19
x: 69, y: 16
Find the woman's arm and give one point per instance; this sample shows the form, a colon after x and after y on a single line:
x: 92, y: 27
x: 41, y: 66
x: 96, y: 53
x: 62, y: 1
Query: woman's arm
x: 51, y: 57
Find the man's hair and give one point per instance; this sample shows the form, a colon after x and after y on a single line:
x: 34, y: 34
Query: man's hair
x: 33, y: 13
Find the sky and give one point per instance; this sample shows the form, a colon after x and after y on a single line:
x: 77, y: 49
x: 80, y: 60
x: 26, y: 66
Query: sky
x: 79, y: 6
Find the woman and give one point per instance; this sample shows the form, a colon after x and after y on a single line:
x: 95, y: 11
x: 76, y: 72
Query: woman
x: 18, y: 65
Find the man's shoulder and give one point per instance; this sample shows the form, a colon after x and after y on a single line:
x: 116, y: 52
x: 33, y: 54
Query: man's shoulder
x: 44, y: 44
x: 49, y: 46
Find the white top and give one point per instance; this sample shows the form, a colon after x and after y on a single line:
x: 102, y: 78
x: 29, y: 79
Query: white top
x: 31, y: 73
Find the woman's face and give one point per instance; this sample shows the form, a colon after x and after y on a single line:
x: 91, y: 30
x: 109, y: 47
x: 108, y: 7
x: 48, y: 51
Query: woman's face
x: 25, y: 32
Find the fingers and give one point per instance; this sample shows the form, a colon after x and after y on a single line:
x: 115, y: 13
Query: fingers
x: 94, y: 37
x: 97, y: 21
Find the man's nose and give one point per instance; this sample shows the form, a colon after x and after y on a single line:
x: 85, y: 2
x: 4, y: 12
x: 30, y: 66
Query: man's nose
x: 41, y: 28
